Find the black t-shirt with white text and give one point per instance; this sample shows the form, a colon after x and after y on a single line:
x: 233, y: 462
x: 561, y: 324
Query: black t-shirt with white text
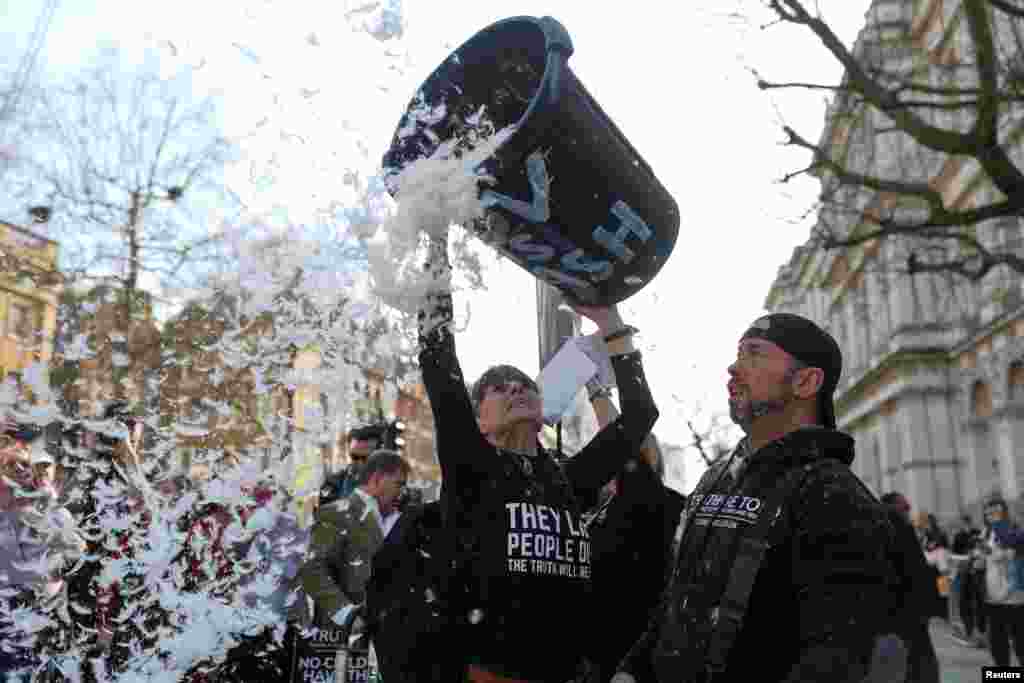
x: 523, y: 553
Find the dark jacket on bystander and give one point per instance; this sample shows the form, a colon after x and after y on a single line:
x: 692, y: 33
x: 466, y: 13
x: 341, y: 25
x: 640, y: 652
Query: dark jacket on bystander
x: 821, y: 595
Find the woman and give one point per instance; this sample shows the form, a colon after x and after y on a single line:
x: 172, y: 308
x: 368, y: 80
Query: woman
x: 513, y: 515
x: 914, y: 593
x: 38, y: 543
x: 935, y: 547
x: 112, y: 512
x: 632, y: 532
x: 266, y: 549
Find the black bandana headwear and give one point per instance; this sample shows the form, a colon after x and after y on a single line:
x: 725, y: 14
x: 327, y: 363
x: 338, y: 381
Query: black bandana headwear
x: 811, y: 345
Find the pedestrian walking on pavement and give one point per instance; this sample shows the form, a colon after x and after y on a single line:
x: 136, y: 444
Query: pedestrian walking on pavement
x: 1004, y: 582
x: 914, y: 594
x: 970, y: 583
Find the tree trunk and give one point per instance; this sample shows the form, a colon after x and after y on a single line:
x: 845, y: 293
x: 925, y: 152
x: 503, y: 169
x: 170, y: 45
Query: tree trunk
x: 132, y: 281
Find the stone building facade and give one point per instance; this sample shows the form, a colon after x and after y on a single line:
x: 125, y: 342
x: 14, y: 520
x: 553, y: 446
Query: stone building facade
x: 933, y: 379
x: 124, y: 349
x: 30, y: 287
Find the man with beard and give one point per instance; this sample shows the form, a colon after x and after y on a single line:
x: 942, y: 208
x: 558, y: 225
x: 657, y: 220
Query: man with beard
x: 782, y: 572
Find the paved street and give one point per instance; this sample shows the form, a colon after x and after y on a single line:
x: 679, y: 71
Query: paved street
x: 957, y: 663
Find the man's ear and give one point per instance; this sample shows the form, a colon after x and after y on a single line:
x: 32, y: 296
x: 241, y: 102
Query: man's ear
x: 809, y: 381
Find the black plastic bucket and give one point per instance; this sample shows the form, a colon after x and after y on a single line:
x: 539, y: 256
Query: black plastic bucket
x: 605, y: 226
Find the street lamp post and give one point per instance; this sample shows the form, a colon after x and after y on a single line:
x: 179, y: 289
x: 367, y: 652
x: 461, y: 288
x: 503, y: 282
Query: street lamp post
x: 555, y: 324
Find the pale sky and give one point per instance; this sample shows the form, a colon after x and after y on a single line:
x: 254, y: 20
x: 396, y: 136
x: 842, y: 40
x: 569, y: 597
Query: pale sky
x: 313, y: 96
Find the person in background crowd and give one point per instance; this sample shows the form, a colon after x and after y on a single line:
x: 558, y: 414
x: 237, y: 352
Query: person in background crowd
x: 38, y: 544
x: 407, y: 601
x: 172, y: 487
x: 1004, y: 584
x: 361, y: 443
x: 521, y: 558
x: 934, y: 534
x: 817, y: 588
x: 899, y: 503
x: 110, y: 507
x: 966, y: 537
x: 207, y: 560
x: 209, y: 563
x: 272, y: 540
x: 345, y: 537
x: 44, y: 467
x: 631, y: 533
x: 970, y: 583
x: 914, y: 595
x: 935, y: 546
x: 271, y: 546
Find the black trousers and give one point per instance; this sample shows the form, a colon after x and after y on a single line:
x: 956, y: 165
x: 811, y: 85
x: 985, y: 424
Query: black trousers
x: 922, y: 662
x: 1006, y: 622
x: 259, y: 658
x: 972, y: 601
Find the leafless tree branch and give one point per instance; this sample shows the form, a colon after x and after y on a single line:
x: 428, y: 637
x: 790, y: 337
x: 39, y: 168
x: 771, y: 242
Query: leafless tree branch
x: 124, y: 158
x: 1008, y: 8
x: 963, y: 107
x: 848, y: 177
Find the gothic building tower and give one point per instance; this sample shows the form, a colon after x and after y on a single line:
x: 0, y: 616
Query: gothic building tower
x: 933, y: 383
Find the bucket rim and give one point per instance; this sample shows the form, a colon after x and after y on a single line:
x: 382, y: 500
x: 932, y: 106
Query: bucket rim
x: 556, y: 51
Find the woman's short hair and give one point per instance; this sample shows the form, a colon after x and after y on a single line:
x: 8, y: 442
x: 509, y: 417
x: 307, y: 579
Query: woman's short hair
x: 495, y: 376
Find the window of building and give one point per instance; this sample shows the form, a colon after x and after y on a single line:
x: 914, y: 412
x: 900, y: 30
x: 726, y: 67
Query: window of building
x: 196, y: 410
x: 21, y: 321
x: 981, y: 400
x: 1015, y: 380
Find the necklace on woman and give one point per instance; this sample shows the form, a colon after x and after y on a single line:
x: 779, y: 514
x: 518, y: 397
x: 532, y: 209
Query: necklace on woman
x: 522, y: 460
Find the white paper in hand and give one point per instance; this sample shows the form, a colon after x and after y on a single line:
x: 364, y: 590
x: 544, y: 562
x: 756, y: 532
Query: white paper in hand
x: 593, y: 345
x: 562, y: 378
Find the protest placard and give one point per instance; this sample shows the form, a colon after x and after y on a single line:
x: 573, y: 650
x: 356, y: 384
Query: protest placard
x: 330, y: 656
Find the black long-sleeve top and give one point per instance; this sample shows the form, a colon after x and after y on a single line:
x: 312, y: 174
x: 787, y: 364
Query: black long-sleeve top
x: 522, y: 555
x: 632, y: 538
